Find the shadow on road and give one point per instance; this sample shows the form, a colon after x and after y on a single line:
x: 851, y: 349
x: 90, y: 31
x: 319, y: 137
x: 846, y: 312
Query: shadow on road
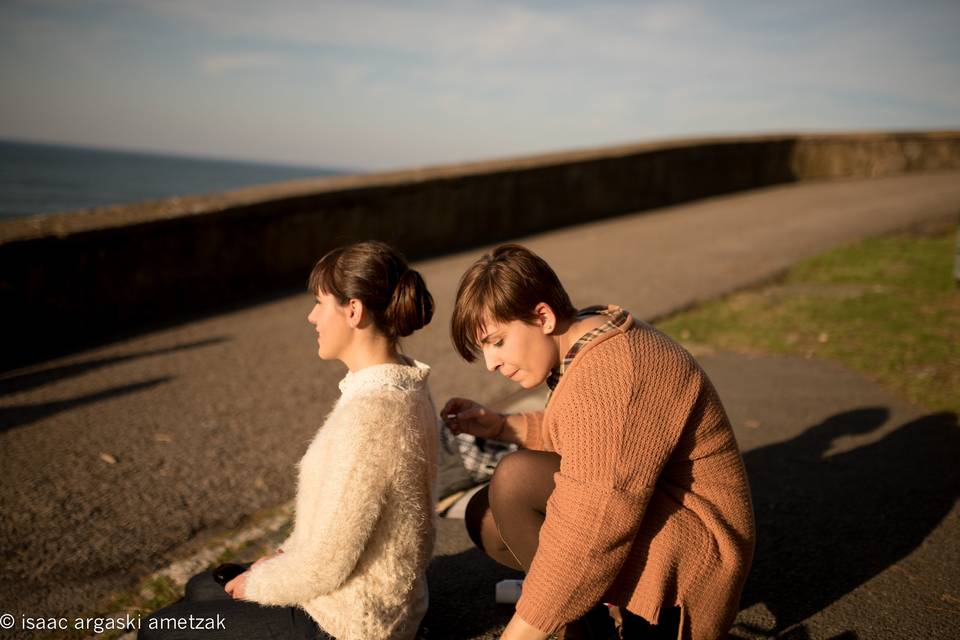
x: 462, y: 602
x: 22, y: 415
x: 35, y: 379
x: 827, y: 524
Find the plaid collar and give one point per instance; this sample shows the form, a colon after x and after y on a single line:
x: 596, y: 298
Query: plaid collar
x: 617, y: 318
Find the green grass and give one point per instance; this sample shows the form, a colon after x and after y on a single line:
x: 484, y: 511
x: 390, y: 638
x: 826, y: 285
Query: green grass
x: 887, y: 307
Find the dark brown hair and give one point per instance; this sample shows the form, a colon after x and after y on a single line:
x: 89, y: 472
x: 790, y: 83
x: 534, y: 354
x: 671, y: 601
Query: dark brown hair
x: 503, y: 286
x: 377, y: 275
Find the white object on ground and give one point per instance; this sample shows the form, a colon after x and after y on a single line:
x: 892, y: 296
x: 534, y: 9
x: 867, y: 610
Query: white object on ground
x: 508, y: 591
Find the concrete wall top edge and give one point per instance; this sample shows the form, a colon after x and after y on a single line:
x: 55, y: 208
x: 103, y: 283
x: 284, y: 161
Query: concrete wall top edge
x: 185, y: 207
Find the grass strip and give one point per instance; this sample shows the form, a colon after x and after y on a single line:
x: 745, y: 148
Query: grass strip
x: 887, y: 307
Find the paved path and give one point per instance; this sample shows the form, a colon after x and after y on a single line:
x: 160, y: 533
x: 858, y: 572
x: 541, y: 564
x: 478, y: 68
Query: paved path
x: 205, y: 421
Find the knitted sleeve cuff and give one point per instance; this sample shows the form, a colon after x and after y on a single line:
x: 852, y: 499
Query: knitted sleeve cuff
x: 274, y: 583
x: 542, y: 620
x: 532, y: 436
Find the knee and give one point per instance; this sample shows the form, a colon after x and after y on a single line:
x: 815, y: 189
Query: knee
x: 507, y: 480
x: 203, y: 587
x: 198, y: 584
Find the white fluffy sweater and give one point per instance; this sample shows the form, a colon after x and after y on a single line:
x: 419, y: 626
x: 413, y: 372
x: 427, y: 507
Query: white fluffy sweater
x: 364, y: 529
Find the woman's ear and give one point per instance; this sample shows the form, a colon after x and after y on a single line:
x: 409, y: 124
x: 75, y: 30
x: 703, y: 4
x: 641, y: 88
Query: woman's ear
x: 546, y: 317
x: 354, y: 312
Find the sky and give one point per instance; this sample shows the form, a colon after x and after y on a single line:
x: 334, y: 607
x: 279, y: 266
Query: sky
x: 383, y: 85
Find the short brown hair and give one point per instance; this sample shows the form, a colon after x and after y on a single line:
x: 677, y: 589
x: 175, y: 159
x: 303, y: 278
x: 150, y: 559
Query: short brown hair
x: 504, y: 285
x: 377, y: 275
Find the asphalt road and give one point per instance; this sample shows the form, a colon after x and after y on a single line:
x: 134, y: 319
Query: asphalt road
x: 116, y: 457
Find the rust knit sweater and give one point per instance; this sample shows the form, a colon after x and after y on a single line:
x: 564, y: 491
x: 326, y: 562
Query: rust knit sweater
x: 651, y: 507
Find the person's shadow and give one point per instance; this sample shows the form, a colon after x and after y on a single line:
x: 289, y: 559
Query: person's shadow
x: 827, y: 524
x: 462, y: 604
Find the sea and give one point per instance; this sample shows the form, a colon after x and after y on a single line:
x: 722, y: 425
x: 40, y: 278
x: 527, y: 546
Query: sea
x: 44, y: 178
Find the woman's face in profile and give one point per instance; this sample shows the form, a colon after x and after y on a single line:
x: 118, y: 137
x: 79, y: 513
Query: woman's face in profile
x: 329, y: 318
x: 520, y: 351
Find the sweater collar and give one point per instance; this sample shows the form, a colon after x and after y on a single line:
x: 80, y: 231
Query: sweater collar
x: 401, y: 376
x: 618, y: 319
x: 623, y: 322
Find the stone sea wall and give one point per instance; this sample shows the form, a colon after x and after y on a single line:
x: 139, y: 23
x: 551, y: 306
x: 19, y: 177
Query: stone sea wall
x: 118, y: 269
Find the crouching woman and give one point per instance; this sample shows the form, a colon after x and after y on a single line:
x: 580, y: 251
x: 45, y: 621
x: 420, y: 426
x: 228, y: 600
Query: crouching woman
x: 629, y: 489
x: 354, y: 567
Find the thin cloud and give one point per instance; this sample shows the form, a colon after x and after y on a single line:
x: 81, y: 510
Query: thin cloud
x: 231, y: 62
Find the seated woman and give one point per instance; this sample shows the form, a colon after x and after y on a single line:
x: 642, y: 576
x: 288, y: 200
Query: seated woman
x: 354, y: 567
x: 629, y: 488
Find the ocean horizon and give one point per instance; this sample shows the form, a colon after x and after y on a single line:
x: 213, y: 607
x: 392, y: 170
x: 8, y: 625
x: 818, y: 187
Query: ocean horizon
x: 40, y: 178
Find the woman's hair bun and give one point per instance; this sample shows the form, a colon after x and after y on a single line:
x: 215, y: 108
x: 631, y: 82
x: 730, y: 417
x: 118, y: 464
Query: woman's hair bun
x: 411, y: 306
x: 378, y: 275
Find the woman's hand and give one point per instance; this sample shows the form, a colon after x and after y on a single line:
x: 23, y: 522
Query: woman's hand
x: 461, y: 415
x: 237, y: 587
x: 518, y: 629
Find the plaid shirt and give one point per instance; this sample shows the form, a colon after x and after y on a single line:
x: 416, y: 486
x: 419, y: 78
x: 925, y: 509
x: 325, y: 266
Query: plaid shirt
x: 479, y: 456
x: 617, y: 318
